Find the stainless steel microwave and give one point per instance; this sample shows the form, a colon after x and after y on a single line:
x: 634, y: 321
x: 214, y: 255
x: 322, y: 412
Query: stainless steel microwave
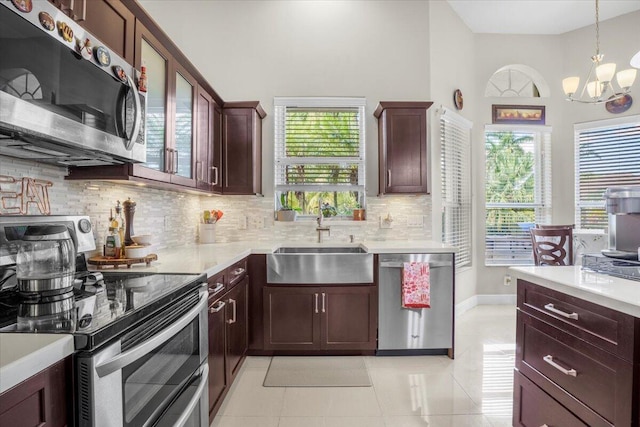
x: 65, y: 97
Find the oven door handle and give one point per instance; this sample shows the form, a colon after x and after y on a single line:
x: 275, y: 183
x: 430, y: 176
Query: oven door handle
x: 123, y: 359
x: 195, y: 399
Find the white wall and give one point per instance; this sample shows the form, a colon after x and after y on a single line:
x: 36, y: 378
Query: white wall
x: 452, y: 52
x: 256, y: 50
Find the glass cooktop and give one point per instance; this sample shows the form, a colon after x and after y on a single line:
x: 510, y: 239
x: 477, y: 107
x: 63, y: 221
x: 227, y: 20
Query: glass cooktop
x: 102, y: 309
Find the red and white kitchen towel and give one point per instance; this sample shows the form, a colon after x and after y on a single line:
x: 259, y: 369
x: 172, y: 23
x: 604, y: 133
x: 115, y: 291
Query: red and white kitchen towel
x: 416, y: 285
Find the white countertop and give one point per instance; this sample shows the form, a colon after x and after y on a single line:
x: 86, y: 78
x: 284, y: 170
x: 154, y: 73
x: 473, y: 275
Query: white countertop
x: 210, y: 258
x: 24, y: 355
x: 608, y: 291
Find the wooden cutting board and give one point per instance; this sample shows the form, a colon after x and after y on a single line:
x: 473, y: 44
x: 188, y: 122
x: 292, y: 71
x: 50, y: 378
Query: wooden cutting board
x: 103, y: 261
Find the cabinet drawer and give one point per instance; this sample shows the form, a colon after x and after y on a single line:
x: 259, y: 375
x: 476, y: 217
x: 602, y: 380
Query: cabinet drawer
x: 217, y: 285
x: 237, y: 272
x: 594, y: 377
x: 532, y: 407
x: 600, y: 326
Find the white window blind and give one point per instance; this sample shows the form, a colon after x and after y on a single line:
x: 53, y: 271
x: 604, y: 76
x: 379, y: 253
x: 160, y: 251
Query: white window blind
x: 517, y: 190
x: 319, y: 153
x: 607, y: 153
x: 455, y: 157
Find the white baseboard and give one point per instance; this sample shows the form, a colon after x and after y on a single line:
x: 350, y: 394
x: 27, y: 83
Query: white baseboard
x: 475, y: 300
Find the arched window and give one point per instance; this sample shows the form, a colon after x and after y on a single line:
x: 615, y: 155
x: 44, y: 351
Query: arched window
x: 20, y: 83
x: 517, y: 80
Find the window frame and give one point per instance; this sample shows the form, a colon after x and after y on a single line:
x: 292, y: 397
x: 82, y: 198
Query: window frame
x: 591, y: 126
x: 542, y: 189
x: 455, y: 160
x: 281, y: 161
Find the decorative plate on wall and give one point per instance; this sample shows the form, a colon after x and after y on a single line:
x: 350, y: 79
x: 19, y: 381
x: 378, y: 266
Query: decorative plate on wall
x: 619, y: 105
x: 458, y: 101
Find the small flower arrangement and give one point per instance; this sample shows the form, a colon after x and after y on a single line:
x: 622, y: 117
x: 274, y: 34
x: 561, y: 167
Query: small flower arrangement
x: 211, y: 217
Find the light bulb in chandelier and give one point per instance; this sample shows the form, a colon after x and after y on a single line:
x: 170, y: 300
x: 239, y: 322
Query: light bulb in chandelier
x: 599, y: 86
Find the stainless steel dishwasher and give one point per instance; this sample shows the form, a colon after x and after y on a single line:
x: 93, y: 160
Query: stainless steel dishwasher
x: 404, y: 331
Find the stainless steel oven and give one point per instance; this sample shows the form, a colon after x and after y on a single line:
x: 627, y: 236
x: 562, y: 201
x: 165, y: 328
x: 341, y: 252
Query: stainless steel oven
x: 140, y: 339
x: 155, y: 374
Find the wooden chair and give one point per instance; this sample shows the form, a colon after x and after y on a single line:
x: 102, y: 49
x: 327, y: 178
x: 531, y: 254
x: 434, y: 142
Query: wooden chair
x: 552, y: 246
x: 552, y: 226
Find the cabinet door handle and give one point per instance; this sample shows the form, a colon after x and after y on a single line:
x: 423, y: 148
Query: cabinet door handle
x: 388, y: 177
x: 215, y: 175
x: 219, y: 306
x: 168, y: 160
x: 316, y: 295
x: 175, y: 165
x: 323, y: 299
x: 233, y: 311
x: 238, y: 271
x: 549, y: 359
x: 219, y: 286
x: 552, y: 309
x: 199, y: 171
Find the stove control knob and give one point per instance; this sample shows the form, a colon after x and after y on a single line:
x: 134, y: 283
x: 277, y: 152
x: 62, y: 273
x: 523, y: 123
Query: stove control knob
x: 84, y: 225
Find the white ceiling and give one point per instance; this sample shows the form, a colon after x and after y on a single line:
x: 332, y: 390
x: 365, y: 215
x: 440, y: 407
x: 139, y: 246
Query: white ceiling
x: 536, y: 16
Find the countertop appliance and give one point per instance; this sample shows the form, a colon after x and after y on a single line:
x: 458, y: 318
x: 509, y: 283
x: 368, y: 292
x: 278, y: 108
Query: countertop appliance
x: 141, y: 338
x: 623, y: 209
x: 405, y: 331
x: 61, y: 102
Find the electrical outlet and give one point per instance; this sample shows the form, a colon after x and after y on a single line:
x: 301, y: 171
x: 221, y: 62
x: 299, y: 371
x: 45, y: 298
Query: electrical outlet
x: 415, y: 221
x: 242, y: 222
x: 167, y: 222
x: 507, y: 280
x: 386, y: 221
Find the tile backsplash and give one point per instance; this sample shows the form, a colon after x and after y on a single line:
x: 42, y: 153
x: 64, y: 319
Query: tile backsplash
x: 173, y: 217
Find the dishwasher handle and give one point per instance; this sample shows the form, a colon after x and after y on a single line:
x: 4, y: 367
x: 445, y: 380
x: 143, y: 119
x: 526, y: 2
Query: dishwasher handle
x: 399, y: 264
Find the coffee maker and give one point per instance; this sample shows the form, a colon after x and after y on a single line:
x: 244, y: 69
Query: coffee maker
x: 623, y: 209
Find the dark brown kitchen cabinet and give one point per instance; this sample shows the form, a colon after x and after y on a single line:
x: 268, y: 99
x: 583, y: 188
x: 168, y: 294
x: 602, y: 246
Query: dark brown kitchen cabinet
x: 228, y: 330
x: 41, y: 400
x: 242, y: 147
x: 580, y: 356
x: 207, y: 127
x: 403, y: 149
x: 237, y: 327
x: 109, y: 20
x: 328, y: 318
x: 218, y: 381
x: 170, y: 116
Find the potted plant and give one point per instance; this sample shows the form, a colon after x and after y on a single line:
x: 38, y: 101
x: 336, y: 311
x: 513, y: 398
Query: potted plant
x: 359, y: 213
x: 285, y: 213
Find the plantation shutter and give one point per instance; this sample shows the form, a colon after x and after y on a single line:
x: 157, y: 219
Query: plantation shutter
x: 455, y: 155
x: 319, y: 144
x: 518, y: 192
x: 607, y: 154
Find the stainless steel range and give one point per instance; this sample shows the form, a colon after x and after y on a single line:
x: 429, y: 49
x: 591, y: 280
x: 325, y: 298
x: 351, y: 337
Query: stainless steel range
x: 140, y: 339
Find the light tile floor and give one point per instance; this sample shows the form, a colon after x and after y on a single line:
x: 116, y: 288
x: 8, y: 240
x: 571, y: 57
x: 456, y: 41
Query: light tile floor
x: 473, y: 390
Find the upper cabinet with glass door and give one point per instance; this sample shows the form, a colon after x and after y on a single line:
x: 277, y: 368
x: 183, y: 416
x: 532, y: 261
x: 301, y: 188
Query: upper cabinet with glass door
x: 170, y: 114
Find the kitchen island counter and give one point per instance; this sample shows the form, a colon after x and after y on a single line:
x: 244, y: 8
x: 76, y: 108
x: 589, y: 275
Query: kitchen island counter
x: 608, y: 291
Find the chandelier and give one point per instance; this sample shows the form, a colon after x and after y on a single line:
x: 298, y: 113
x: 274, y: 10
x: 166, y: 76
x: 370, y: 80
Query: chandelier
x: 598, y: 86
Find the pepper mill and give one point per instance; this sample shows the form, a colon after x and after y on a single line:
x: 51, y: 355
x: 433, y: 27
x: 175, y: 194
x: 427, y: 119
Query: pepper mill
x: 129, y: 209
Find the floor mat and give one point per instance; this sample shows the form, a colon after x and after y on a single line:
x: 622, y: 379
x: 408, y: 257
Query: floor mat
x: 317, y: 371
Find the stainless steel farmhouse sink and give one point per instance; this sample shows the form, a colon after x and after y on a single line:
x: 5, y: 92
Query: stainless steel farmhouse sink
x: 319, y: 265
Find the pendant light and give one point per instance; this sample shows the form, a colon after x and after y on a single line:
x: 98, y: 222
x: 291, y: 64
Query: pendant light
x: 598, y: 86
